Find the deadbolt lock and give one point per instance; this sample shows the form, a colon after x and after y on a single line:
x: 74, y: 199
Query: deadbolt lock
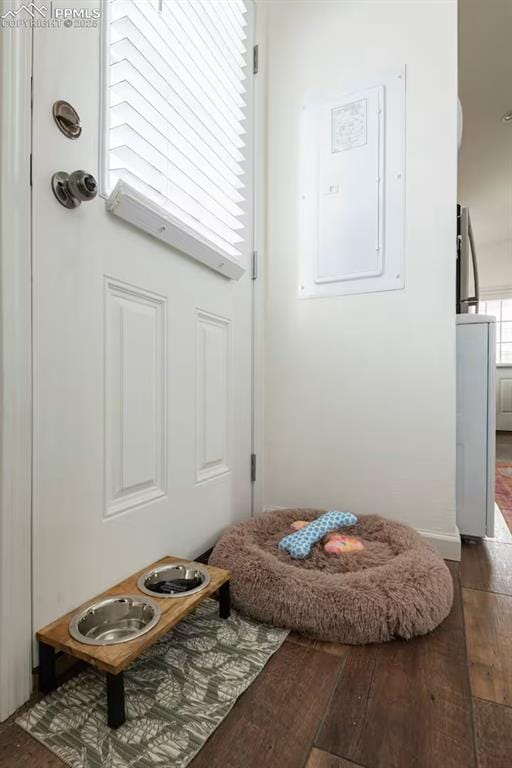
x: 71, y: 189
x: 67, y: 118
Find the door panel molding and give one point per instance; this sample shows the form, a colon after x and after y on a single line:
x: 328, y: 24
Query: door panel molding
x: 212, y: 395
x: 15, y: 367
x: 135, y: 397
x: 504, y: 397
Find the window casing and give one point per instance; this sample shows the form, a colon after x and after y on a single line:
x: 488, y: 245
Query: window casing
x: 177, y: 119
x: 501, y: 309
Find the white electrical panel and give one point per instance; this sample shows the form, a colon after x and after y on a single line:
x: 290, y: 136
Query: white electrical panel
x: 352, y: 191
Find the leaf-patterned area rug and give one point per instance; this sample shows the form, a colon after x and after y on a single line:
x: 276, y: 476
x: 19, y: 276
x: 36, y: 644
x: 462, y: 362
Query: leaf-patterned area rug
x: 177, y: 693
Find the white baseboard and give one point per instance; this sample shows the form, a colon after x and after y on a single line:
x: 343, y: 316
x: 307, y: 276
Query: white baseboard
x: 447, y: 544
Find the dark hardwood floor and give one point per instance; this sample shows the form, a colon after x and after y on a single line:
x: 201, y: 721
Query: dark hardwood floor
x: 439, y: 701
x: 405, y: 703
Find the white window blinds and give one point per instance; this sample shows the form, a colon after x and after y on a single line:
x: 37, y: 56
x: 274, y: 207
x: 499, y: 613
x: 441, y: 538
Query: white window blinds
x: 177, y: 115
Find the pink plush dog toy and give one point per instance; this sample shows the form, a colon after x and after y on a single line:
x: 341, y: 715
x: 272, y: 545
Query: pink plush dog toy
x: 337, y: 544
x: 334, y: 543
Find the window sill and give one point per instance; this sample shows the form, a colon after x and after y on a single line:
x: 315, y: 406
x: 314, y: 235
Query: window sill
x: 136, y: 209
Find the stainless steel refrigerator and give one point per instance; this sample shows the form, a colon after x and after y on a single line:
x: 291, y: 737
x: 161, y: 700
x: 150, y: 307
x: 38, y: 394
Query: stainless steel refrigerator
x: 467, y: 267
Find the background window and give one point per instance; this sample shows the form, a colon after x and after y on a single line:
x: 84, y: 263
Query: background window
x: 502, y: 311
x: 177, y: 120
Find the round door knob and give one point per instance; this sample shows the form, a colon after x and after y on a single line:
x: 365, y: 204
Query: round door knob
x: 82, y: 185
x: 71, y: 189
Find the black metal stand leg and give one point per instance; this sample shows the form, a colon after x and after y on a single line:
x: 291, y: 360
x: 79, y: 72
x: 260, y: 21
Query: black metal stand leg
x: 224, y: 601
x: 115, y: 699
x: 47, y: 677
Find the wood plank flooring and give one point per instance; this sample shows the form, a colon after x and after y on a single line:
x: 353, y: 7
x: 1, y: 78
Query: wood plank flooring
x: 275, y: 721
x: 487, y: 566
x: 493, y: 727
x: 19, y: 750
x: 439, y: 701
x: 381, y: 686
x: 319, y: 759
x: 489, y: 638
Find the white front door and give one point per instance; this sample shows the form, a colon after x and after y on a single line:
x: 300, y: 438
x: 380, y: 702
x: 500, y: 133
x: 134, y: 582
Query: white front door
x: 504, y: 397
x: 142, y: 367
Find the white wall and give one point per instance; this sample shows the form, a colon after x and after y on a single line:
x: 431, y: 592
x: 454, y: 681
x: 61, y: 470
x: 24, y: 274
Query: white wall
x: 485, y: 157
x: 360, y: 390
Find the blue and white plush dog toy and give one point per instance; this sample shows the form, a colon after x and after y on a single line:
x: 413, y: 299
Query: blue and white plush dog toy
x: 299, y: 544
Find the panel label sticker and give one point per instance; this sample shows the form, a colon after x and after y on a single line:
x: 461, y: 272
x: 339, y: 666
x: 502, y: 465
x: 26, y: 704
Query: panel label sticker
x: 348, y: 126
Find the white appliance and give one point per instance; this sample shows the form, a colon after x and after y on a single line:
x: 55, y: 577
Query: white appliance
x: 476, y: 424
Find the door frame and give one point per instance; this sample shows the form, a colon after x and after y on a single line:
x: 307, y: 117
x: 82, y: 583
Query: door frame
x: 15, y: 367
x: 259, y: 160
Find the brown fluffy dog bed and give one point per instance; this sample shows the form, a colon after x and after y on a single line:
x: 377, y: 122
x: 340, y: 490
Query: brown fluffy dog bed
x: 397, y: 586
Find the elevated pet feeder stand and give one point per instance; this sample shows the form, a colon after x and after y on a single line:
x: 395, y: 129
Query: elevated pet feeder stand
x: 104, y: 650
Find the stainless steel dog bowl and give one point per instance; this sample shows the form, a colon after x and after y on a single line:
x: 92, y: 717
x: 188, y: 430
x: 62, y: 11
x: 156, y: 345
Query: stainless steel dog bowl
x: 114, y: 620
x: 171, y: 580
